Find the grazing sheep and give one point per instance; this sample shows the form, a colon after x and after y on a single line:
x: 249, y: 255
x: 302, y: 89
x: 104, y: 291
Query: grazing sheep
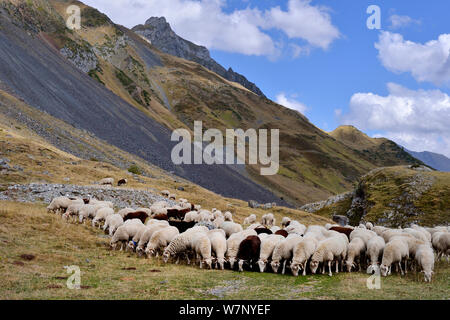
x: 369, y: 225
x: 177, y: 212
x: 218, y: 246
x: 423, y: 230
x: 123, y: 212
x: 425, y: 260
x: 218, y: 214
x: 202, y: 248
x: 122, y: 182
x: 106, y: 181
x: 355, y: 252
x: 250, y: 219
x: 233, y: 243
x: 87, y: 211
x: 230, y: 228
x: 205, y: 215
x: 73, y: 210
x: 284, y: 252
x: 302, y: 252
x: 191, y: 216
x: 112, y: 222
x: 390, y: 233
x: 375, y: 247
x: 146, y: 236
x: 394, y: 252
x: 101, y: 215
x: 441, y: 243
x: 285, y: 222
x: 124, y: 234
x: 268, y: 244
x: 160, y: 240
x: 268, y: 220
x: 329, y: 250
x: 283, y: 233
x: 60, y: 204
x: 160, y: 217
x: 228, y: 216
x: 132, y: 244
x: 249, y: 250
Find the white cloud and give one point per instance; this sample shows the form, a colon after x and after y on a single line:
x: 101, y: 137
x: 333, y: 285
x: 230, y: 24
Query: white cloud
x: 418, y: 120
x: 290, y: 102
x: 206, y: 22
x: 398, y: 22
x: 428, y: 62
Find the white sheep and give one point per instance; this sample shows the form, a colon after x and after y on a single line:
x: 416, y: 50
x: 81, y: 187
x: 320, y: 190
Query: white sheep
x: 217, y: 214
x: 87, y: 211
x: 268, y: 244
x: 73, y: 210
x: 425, y: 260
x: 284, y: 251
x: 233, y: 243
x: 356, y: 249
x: 101, y: 215
x: 375, y: 247
x: 268, y: 220
x: 369, y: 225
x: 124, y: 233
x: 123, y: 212
x: 106, y: 181
x: 160, y: 240
x: 205, y: 216
x: 218, y: 245
x: 202, y: 248
x: 295, y: 227
x: 394, y: 252
x: 301, y: 253
x: 60, y: 204
x: 228, y: 216
x: 146, y: 236
x: 230, y: 228
x: 112, y: 222
x: 165, y: 193
x: 250, y: 219
x: 329, y: 250
x: 285, y: 222
x: 441, y: 243
x: 364, y: 234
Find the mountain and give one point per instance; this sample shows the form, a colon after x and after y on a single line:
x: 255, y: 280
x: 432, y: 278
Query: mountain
x: 108, y: 82
x: 160, y: 34
x: 394, y: 197
x: 434, y: 160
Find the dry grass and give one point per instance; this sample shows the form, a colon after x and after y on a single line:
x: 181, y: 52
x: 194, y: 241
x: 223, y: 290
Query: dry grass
x: 26, y: 229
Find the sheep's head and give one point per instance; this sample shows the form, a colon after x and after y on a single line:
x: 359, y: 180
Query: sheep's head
x: 241, y: 265
x: 131, y: 245
x: 113, y: 244
x: 262, y: 265
x: 221, y: 262
x: 166, y: 256
x: 350, y: 264
x: 428, y: 275
x: 231, y: 260
x: 314, y: 264
x: 208, y: 262
x: 295, y: 268
x: 384, y: 270
x: 275, y: 265
x: 140, y: 250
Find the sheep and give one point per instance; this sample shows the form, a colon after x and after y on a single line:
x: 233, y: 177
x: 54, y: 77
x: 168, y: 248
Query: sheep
x: 390, y: 233
x: 112, y: 222
x: 73, y: 210
x: 123, y: 212
x: 441, y: 243
x: 145, y: 237
x: 417, y: 234
x: 284, y: 251
x: 233, y: 243
x: 375, y: 247
x: 205, y: 215
x: 283, y: 233
x: 301, y: 253
x: 425, y: 260
x: 329, y: 250
x: 60, y: 204
x: 423, y: 230
x: 87, y: 211
x: 165, y: 193
x: 356, y: 249
x: 101, y: 215
x: 295, y: 227
x: 364, y: 234
x: 263, y: 230
x: 122, y: 182
x: 141, y: 215
x: 218, y: 214
x: 160, y: 240
x: 379, y: 230
x: 124, y: 233
x: 106, y: 181
x: 344, y: 230
x: 369, y: 225
x: 218, y: 222
x: 285, y: 222
x: 218, y: 245
x: 180, y: 244
x: 249, y: 251
x: 162, y: 217
x: 230, y: 228
x: 202, y: 248
x: 268, y: 220
x: 177, y: 212
x: 362, y: 226
x: 228, y: 216
x: 394, y: 252
x: 250, y: 219
x: 268, y: 244
x: 191, y: 216
x: 182, y: 226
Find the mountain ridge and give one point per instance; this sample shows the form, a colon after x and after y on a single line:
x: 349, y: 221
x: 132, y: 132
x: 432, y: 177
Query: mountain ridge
x: 435, y: 160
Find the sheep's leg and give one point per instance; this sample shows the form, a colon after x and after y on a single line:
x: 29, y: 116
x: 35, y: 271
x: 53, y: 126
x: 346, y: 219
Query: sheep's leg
x: 329, y: 268
x: 284, y: 267
x: 323, y: 268
x: 406, y: 266
x: 337, y: 266
x: 400, y: 266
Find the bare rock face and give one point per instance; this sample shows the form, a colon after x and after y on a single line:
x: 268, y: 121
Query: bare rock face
x: 160, y: 34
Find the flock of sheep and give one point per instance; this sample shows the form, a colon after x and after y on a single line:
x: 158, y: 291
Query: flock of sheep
x: 212, y: 238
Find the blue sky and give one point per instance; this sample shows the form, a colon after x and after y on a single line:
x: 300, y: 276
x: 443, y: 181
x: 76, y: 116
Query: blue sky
x: 403, y: 83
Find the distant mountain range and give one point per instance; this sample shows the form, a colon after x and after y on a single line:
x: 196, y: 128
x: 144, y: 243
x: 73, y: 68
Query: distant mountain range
x: 160, y: 34
x: 435, y: 160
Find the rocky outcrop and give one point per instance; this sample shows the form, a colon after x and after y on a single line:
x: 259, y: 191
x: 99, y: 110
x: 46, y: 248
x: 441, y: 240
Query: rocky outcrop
x: 160, y: 34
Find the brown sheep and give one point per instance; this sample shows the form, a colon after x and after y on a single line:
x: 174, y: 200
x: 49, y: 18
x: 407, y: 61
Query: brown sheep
x: 121, y: 182
x: 161, y: 216
x: 136, y: 215
x: 343, y: 230
x: 263, y: 230
x: 177, y: 213
x: 248, y: 251
x: 283, y: 233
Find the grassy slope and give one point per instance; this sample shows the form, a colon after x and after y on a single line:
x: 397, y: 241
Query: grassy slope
x: 28, y: 229
x: 314, y: 165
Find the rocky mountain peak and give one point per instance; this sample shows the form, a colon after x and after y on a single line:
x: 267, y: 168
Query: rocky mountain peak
x: 159, y: 32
